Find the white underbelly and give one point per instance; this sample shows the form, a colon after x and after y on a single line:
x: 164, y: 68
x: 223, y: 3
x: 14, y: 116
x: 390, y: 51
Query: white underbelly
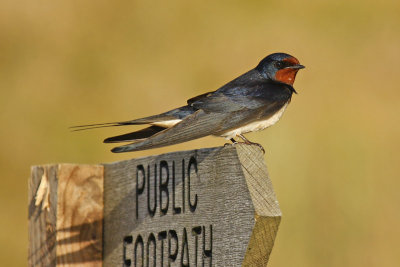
x: 256, y: 125
x: 166, y: 124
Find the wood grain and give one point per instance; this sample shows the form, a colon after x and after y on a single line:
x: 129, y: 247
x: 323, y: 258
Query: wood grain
x: 235, y: 198
x: 42, y: 222
x: 207, y: 207
x: 69, y: 232
x: 267, y: 211
x: 79, y: 215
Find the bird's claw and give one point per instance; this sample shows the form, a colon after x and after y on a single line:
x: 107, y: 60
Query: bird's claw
x: 260, y: 146
x: 248, y: 142
x: 245, y: 141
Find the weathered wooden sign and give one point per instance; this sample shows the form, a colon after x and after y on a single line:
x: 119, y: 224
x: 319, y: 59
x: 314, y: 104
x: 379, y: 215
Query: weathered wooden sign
x: 207, y: 207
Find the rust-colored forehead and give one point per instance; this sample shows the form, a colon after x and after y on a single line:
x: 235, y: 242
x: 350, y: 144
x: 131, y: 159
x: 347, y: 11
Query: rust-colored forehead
x: 292, y: 60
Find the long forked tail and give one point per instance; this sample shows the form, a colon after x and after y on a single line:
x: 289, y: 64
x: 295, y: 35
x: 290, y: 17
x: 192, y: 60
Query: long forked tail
x: 175, y: 114
x: 138, y: 135
x: 100, y: 125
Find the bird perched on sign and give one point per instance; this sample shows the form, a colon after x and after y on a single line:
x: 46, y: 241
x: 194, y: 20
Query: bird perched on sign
x: 251, y: 102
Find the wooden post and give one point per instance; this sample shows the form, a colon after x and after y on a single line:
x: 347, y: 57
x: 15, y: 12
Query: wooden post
x: 207, y: 207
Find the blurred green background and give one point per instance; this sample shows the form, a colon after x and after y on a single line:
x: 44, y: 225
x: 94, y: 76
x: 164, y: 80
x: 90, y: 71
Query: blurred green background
x: 333, y: 158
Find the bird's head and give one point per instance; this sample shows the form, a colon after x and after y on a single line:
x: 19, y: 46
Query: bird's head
x: 280, y: 67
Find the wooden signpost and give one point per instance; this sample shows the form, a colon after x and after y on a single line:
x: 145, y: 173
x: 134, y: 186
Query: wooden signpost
x: 207, y: 207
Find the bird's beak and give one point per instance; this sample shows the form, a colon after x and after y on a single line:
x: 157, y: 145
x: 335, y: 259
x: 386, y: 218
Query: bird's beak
x: 298, y: 67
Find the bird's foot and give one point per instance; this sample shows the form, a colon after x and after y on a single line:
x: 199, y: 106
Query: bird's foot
x: 234, y: 142
x: 260, y: 146
x: 248, y: 142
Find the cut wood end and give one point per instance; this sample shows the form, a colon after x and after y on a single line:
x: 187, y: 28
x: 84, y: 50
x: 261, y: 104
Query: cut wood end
x: 43, y: 192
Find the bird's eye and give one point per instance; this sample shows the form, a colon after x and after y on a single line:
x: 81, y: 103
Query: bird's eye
x: 278, y: 64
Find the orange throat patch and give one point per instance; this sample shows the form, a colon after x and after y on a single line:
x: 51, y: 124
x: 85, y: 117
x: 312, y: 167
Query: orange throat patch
x: 286, y: 75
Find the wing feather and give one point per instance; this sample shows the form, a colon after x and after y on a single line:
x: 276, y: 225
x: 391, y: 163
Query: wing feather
x: 194, y: 126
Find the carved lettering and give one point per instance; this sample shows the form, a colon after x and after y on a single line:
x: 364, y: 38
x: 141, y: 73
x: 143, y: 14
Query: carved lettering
x: 195, y: 232
x: 176, y: 210
x: 139, y: 241
x: 157, y: 181
x: 152, y: 210
x: 172, y: 237
x: 185, y: 250
x: 139, y: 189
x: 183, y: 185
x: 164, y: 187
x: 207, y: 253
x: 151, y: 239
x: 192, y: 162
x: 162, y: 236
x: 127, y: 241
x: 188, y: 248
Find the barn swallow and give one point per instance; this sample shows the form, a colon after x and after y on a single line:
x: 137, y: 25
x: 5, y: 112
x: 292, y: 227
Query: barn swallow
x: 251, y: 102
